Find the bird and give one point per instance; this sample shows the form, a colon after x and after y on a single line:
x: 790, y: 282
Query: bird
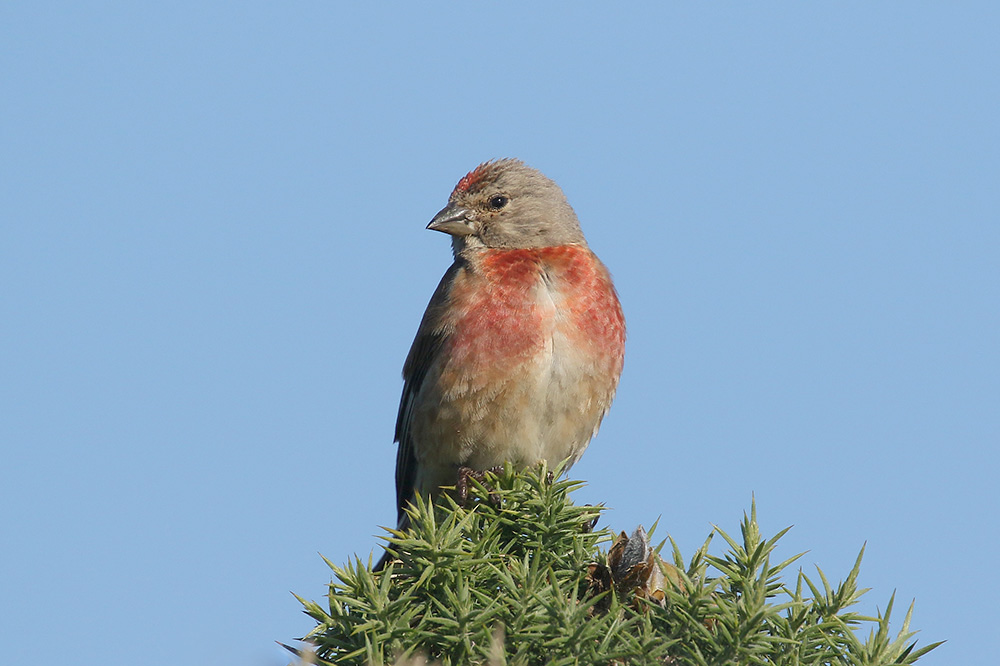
x: 519, y: 353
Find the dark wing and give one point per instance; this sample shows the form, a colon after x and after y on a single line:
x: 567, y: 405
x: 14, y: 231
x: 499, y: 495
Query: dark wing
x: 430, y: 338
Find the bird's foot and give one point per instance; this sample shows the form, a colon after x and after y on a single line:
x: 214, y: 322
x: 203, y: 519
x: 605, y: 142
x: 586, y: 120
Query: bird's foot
x: 467, y: 473
x: 589, y: 525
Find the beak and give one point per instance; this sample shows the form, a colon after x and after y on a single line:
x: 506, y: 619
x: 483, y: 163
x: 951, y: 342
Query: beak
x: 453, y: 220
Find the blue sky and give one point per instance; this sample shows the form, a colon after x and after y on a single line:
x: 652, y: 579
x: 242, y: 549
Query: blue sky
x: 213, y: 260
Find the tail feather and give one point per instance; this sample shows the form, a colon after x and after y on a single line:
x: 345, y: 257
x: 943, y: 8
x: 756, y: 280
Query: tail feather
x: 402, y: 526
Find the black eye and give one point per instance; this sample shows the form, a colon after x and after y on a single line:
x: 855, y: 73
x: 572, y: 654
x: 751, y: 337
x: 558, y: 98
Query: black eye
x: 498, y: 201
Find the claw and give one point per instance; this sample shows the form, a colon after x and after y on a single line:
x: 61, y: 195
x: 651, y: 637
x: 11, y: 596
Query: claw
x: 466, y: 473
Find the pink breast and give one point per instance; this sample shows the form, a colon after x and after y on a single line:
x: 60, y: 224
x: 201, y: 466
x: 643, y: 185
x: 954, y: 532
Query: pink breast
x: 517, y: 299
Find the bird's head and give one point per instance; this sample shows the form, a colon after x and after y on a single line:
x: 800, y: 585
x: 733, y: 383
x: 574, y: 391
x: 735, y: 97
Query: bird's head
x: 507, y: 204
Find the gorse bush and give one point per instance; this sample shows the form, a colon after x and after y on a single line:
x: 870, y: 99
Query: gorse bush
x: 517, y: 576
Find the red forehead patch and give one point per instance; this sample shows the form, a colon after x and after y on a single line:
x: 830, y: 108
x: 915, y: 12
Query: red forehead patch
x: 471, y: 178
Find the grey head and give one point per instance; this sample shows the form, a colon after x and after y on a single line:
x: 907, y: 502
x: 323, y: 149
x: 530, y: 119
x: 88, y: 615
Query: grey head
x: 507, y: 204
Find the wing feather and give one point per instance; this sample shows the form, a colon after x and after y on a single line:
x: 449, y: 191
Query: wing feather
x: 431, y: 337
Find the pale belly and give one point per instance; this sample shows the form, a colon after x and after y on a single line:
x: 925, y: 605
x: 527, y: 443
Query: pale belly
x: 545, y: 408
